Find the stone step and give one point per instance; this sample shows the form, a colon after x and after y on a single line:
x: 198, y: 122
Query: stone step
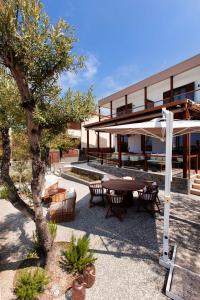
x: 195, y: 192
x: 196, y: 186
x: 197, y: 181
x: 197, y: 175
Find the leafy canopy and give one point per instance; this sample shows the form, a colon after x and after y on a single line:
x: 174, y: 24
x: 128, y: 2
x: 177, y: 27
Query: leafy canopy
x: 40, y: 50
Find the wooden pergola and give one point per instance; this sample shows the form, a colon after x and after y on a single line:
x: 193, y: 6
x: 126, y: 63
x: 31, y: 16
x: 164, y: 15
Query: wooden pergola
x: 182, y: 109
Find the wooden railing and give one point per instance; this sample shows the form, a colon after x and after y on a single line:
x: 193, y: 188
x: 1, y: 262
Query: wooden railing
x: 140, y: 160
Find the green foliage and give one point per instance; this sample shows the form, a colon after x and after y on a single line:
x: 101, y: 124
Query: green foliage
x: 36, y: 250
x: 52, y: 229
x: 64, y: 142
x: 78, y: 255
x: 4, y: 192
x: 30, y: 284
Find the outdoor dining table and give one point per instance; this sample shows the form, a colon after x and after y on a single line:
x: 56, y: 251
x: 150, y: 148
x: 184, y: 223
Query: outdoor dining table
x: 124, y: 185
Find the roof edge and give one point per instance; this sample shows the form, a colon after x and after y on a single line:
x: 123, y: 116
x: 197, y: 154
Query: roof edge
x: 181, y: 67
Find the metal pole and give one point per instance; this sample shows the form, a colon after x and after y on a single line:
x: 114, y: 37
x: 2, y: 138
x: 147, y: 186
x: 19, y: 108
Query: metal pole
x: 164, y: 259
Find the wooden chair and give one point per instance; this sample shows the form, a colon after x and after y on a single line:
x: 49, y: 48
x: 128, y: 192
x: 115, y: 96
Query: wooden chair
x: 148, y: 197
x: 115, y: 205
x: 96, y: 190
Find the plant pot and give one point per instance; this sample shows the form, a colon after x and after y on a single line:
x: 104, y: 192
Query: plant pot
x: 78, y: 288
x: 89, y: 275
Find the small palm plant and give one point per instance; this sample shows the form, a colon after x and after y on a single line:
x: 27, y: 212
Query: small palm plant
x: 78, y: 255
x: 30, y: 284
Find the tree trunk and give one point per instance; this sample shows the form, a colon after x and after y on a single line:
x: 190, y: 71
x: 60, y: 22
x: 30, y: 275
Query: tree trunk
x: 13, y: 196
x: 37, y: 183
x: 28, y: 104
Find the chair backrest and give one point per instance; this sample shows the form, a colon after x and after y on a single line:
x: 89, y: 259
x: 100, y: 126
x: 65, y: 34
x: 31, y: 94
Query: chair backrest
x: 115, y: 199
x: 96, y: 189
x: 150, y: 195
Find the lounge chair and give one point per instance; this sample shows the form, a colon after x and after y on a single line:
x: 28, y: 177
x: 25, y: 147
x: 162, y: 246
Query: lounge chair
x: 63, y: 211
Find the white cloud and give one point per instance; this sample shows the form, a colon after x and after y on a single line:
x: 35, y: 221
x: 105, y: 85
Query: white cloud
x: 123, y: 76
x: 92, y: 64
x: 72, y: 79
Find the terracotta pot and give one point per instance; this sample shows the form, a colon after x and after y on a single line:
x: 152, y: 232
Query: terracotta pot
x: 89, y: 275
x: 78, y: 288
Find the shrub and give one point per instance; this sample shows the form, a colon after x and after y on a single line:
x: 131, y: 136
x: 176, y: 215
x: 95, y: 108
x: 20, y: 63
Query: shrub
x: 52, y: 229
x: 4, y: 192
x: 78, y: 255
x: 30, y: 284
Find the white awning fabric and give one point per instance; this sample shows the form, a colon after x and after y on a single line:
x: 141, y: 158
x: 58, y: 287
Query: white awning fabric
x: 155, y: 128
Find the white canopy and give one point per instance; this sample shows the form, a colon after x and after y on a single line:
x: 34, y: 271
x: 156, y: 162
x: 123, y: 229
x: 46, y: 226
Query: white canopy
x: 155, y: 128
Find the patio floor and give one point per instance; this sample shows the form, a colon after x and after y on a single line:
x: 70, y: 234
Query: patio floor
x: 127, y: 265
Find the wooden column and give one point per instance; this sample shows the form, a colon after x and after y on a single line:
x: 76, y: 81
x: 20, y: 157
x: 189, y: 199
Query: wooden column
x: 98, y: 142
x: 143, y: 146
x: 186, y: 148
x: 99, y: 113
x: 119, y: 148
x: 110, y: 141
x: 171, y: 88
x: 145, y: 97
x: 88, y: 145
x: 110, y: 135
x: 126, y: 102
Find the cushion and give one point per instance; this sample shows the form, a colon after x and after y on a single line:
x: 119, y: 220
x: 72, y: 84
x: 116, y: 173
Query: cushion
x: 71, y: 193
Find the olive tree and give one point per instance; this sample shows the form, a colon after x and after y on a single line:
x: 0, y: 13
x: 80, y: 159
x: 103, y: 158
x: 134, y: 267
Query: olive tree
x: 35, y: 52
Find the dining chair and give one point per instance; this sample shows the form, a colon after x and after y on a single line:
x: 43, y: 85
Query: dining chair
x: 96, y: 190
x: 148, y: 198
x: 115, y: 205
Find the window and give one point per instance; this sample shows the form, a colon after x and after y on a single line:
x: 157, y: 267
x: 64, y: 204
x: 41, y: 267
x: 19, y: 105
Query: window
x: 148, y: 141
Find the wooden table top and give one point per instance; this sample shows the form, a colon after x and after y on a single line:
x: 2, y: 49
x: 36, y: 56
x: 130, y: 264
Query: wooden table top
x: 123, y: 185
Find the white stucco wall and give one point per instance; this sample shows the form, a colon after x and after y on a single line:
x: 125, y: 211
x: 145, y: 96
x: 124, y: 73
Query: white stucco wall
x: 103, y: 137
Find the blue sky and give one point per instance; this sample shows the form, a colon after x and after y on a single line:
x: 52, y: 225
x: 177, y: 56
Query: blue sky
x: 127, y: 40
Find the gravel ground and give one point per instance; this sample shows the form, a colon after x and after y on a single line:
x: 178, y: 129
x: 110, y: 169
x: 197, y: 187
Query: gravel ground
x: 127, y: 265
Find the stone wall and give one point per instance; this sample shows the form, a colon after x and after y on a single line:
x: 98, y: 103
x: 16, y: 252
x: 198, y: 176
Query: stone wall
x: 179, y: 185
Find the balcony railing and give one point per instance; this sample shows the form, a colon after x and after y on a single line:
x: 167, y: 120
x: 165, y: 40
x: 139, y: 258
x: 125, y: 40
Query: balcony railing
x: 186, y: 95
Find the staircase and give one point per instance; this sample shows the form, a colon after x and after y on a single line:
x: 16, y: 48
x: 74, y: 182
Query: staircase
x: 195, y: 189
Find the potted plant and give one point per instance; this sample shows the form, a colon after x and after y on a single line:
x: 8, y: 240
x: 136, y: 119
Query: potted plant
x: 80, y: 260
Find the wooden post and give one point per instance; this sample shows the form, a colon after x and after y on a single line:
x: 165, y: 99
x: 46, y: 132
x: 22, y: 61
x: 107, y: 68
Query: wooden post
x: 119, y: 141
x: 88, y: 145
x: 145, y: 97
x: 171, y: 88
x: 111, y: 114
x: 99, y: 113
